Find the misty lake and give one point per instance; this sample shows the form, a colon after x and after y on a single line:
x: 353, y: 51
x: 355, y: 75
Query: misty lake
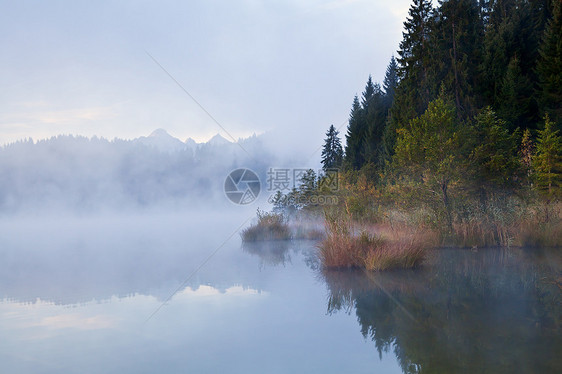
x: 179, y: 293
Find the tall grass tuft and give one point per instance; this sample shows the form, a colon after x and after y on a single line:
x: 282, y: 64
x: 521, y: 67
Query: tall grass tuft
x: 339, y: 249
x: 270, y: 226
x: 403, y: 249
x: 533, y: 225
x: 344, y: 246
x: 542, y: 228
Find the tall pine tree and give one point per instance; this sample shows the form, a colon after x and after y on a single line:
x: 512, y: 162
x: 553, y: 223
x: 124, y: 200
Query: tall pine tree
x: 547, y: 161
x: 508, y: 63
x: 378, y: 116
x: 549, y: 67
x: 370, y: 90
x: 375, y: 115
x: 494, y: 157
x: 413, y: 93
x: 515, y: 97
x: 353, y: 158
x: 457, y: 41
x: 332, y: 152
x: 390, y: 81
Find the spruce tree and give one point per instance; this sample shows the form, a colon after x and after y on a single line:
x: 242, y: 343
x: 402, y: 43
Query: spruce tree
x: 494, y: 157
x: 498, y: 47
x: 457, y: 42
x: 549, y: 67
x: 308, y: 182
x: 355, y: 135
x: 515, y: 97
x: 375, y: 116
x: 332, y: 152
x: 547, y: 161
x: 507, y: 68
x: 279, y: 202
x: 390, y: 81
x: 368, y: 93
x: 413, y: 93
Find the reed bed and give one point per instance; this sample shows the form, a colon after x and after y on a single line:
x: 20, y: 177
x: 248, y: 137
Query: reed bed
x: 374, y: 248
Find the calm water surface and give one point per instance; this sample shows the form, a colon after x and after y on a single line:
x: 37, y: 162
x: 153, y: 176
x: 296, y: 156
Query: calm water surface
x: 121, y: 294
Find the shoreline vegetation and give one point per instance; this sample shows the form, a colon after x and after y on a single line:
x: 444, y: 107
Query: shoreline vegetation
x: 460, y: 146
x: 375, y: 247
x: 275, y: 226
x: 269, y: 227
x: 379, y: 239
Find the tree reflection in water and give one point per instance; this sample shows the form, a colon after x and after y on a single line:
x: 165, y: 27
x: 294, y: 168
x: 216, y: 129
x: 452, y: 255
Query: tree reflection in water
x: 270, y: 253
x: 489, y: 311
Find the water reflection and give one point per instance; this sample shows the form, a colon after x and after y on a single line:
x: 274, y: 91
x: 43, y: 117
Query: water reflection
x: 72, y: 291
x: 279, y: 253
x: 77, y: 296
x: 72, y: 261
x: 270, y: 253
x: 491, y: 311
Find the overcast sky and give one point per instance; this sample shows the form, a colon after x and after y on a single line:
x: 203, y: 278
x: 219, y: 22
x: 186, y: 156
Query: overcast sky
x: 287, y: 67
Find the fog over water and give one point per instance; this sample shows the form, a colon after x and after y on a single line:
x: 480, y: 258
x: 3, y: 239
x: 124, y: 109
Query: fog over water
x: 68, y: 259
x: 87, y: 175
x: 120, y: 256
x: 87, y: 219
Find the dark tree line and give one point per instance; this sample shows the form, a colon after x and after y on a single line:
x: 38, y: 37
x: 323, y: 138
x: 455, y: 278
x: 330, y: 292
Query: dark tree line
x: 503, y: 56
x: 367, y: 121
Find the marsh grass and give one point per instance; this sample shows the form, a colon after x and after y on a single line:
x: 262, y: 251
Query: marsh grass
x: 270, y: 253
x: 374, y: 248
x: 270, y: 226
x: 542, y: 228
x: 403, y: 249
x: 536, y: 225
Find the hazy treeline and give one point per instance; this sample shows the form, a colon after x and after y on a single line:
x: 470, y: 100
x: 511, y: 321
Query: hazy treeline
x: 85, y: 174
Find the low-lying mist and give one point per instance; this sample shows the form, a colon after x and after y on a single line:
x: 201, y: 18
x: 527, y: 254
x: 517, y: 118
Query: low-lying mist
x: 86, y: 219
x: 68, y: 260
x: 89, y: 175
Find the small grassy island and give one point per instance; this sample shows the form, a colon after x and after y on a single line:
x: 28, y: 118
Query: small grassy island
x: 269, y: 226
